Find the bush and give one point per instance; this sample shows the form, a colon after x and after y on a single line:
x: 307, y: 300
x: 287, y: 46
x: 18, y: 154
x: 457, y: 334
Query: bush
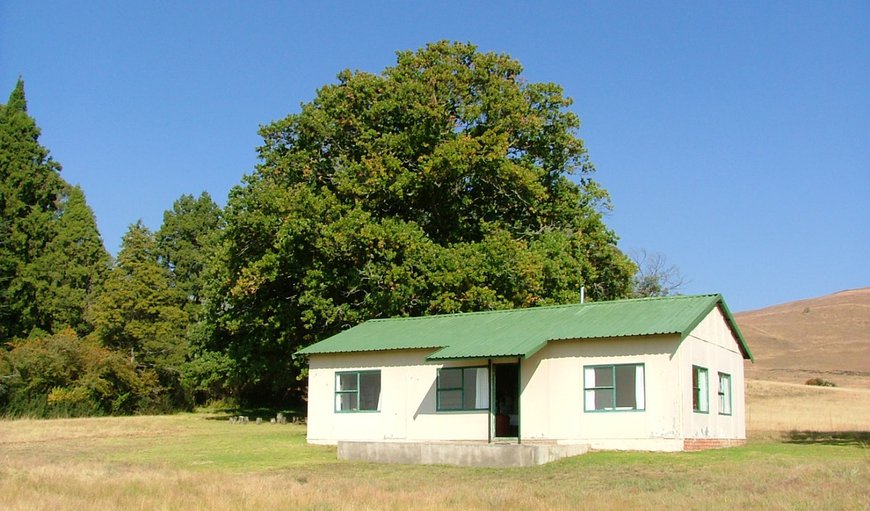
x: 62, y: 375
x: 209, y: 375
x: 819, y: 382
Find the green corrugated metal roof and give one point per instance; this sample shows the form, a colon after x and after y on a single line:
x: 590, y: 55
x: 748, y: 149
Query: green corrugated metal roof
x: 522, y: 332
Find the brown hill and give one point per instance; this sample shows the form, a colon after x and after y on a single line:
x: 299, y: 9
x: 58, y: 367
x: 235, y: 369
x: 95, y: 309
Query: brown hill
x: 826, y: 337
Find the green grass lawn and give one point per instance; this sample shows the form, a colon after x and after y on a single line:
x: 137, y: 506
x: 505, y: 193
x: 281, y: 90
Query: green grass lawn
x: 196, y: 462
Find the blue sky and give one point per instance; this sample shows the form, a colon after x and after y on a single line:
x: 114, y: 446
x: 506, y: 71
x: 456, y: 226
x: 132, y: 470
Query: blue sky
x: 734, y: 137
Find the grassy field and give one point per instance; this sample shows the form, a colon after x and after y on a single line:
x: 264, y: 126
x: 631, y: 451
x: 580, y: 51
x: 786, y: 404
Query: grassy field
x: 773, y: 406
x: 190, y: 462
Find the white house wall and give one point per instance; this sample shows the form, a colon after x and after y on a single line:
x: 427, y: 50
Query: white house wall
x: 552, y: 402
x: 407, y: 404
x: 552, y: 407
x: 713, y: 346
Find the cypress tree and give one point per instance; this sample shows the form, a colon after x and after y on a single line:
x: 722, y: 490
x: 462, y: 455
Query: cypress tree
x: 73, y: 266
x: 185, y: 242
x: 30, y: 186
x: 138, y: 311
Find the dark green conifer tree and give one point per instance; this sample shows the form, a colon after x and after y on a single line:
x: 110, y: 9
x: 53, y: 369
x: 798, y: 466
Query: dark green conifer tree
x: 138, y: 312
x: 52, y: 260
x: 30, y: 186
x: 185, y: 242
x: 73, y: 267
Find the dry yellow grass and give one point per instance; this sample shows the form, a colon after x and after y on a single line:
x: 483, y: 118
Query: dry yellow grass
x: 783, y: 407
x: 188, y: 462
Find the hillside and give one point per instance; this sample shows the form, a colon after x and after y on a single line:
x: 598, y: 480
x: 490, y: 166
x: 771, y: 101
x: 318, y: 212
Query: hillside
x: 826, y: 337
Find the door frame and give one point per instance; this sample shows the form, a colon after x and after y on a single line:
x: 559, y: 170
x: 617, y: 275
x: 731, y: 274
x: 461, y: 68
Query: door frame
x: 493, y: 401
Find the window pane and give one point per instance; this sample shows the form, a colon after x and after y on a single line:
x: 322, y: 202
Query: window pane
x: 450, y: 378
x: 626, y: 396
x: 603, y: 376
x: 482, y: 390
x: 700, y: 391
x: 589, y: 400
x: 369, y: 390
x: 640, y: 393
x: 725, y: 394
x: 469, y: 380
x: 588, y: 377
x: 449, y: 399
x: 602, y: 399
x: 345, y: 381
x: 346, y: 402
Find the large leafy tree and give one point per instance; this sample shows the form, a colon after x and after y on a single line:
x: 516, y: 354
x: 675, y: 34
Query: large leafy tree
x: 445, y: 183
x: 51, y: 256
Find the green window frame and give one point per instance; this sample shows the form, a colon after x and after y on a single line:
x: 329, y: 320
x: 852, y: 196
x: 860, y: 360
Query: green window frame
x: 357, y: 391
x: 462, y: 389
x: 614, y: 388
x: 724, y: 394
x: 700, y: 390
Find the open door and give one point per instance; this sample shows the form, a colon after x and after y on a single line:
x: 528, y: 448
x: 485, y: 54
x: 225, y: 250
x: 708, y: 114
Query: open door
x: 506, y: 400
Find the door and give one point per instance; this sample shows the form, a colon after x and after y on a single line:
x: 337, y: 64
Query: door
x: 506, y: 400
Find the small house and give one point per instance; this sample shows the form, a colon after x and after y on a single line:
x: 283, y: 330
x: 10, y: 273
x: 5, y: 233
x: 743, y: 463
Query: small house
x: 662, y: 374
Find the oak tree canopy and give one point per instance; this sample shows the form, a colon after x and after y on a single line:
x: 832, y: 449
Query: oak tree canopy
x: 445, y: 183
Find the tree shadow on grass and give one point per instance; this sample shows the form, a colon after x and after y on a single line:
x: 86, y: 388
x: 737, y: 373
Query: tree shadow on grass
x: 842, y: 438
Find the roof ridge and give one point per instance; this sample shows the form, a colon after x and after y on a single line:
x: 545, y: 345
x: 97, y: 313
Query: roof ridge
x: 541, y: 307
x: 478, y: 313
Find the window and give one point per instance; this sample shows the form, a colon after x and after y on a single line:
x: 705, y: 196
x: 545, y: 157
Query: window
x: 613, y: 387
x: 358, y: 391
x: 699, y: 390
x: 724, y: 394
x: 463, y: 388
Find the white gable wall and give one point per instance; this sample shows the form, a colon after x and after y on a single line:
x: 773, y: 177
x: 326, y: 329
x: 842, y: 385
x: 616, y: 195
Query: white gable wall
x: 713, y: 346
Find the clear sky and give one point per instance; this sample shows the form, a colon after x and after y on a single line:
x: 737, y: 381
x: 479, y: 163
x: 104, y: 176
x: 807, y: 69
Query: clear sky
x: 734, y: 137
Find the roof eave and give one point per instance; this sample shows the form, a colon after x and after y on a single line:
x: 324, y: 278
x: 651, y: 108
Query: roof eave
x: 528, y: 353
x: 735, y: 329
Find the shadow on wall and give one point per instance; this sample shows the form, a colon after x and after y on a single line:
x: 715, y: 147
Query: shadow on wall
x: 843, y: 438
x: 427, y: 405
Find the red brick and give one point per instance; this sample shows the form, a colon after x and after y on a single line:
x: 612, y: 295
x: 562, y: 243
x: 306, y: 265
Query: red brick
x: 700, y: 444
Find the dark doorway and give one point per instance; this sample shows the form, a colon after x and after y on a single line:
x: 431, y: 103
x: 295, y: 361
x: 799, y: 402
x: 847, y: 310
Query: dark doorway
x: 507, y: 400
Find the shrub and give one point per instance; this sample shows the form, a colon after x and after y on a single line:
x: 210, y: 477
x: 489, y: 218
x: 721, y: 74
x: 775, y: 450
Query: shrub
x: 819, y: 382
x: 209, y: 375
x: 62, y: 375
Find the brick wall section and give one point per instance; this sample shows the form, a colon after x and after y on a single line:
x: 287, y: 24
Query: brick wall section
x: 700, y: 444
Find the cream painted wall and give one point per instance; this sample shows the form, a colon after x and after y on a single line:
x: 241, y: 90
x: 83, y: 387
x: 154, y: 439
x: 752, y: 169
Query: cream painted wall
x: 553, y: 391
x: 552, y: 394
x: 407, y: 405
x: 712, y: 345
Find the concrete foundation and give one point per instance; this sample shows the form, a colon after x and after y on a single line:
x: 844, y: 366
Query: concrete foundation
x: 457, y: 453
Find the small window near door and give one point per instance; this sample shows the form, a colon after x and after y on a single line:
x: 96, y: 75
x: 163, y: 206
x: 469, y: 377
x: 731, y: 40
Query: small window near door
x: 609, y: 388
x: 462, y: 388
x: 724, y: 394
x: 357, y: 391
